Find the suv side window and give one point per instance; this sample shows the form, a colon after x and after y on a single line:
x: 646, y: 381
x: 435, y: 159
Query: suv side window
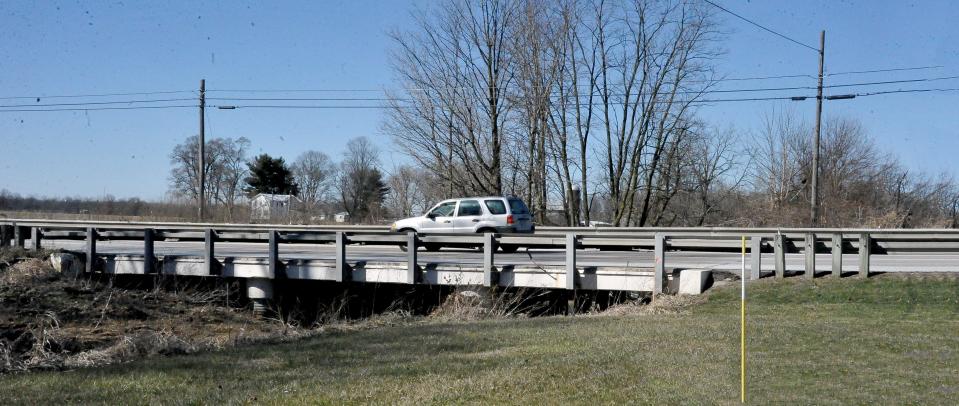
x: 518, y: 207
x: 496, y: 206
x: 470, y: 208
x: 443, y: 210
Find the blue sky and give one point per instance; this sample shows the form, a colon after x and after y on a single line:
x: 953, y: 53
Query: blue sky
x: 58, y: 48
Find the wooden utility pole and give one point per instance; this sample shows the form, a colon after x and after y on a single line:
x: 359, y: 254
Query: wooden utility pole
x: 814, y: 199
x: 201, y: 174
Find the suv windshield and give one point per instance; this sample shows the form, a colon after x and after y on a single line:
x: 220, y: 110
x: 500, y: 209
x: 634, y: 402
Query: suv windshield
x: 517, y: 206
x: 443, y: 210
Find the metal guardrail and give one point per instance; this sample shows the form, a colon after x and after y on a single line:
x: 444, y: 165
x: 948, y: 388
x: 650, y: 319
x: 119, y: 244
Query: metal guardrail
x: 701, y: 231
x: 837, y: 241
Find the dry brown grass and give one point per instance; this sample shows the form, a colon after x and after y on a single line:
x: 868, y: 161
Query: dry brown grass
x: 662, y: 304
x: 478, y: 303
x: 49, y: 321
x: 26, y: 270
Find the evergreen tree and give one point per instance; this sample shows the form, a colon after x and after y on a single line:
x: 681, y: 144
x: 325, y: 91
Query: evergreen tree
x: 270, y: 175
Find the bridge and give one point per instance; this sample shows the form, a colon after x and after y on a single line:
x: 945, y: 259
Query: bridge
x: 570, y: 258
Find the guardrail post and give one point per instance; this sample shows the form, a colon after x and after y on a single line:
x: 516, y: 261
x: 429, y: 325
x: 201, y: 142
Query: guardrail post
x: 411, y: 257
x: 149, y: 259
x: 865, y: 246
x: 209, y: 260
x: 35, y: 235
x: 659, y: 269
x: 779, y: 248
x: 342, y: 268
x: 91, y: 258
x: 4, y: 235
x: 209, y: 248
x: 274, y: 255
x: 810, y: 252
x: 489, y: 250
x: 571, y: 261
x: 755, y: 253
x: 836, y: 255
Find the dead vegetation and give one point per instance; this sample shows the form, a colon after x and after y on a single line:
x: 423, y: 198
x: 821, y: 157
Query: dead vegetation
x: 49, y: 321
x: 469, y: 304
x: 663, y: 304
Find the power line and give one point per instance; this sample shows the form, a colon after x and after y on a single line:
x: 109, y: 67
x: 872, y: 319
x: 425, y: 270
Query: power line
x: 94, y: 103
x: 312, y: 106
x: 97, y: 95
x: 885, y: 70
x: 748, y: 90
x: 733, y: 79
x: 767, y: 77
x: 6, y: 109
x: 414, y: 89
x: 694, y: 92
x: 308, y: 98
x: 889, y: 82
x: 761, y: 26
x: 292, y: 90
x: 953, y: 89
x: 97, y: 108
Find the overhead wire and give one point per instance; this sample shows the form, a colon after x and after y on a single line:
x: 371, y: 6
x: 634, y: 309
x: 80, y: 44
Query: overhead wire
x: 99, y: 108
x: 313, y: 106
x: 369, y: 90
x: 889, y: 82
x: 885, y: 70
x: 761, y: 26
x: 95, y: 103
x: 97, y: 95
x: 953, y: 89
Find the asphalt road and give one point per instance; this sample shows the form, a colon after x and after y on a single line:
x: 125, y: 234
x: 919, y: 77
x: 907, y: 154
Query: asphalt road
x: 532, y: 257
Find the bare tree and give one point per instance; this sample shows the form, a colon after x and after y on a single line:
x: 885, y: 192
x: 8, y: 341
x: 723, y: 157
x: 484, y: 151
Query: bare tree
x: 412, y: 191
x: 780, y: 158
x: 456, y: 69
x: 654, y: 64
x: 539, y: 48
x: 227, y: 176
x: 225, y: 168
x: 572, y: 115
x: 315, y: 176
x: 361, y: 185
x: 714, y: 165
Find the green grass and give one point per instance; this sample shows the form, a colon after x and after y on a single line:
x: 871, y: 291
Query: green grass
x: 885, y: 340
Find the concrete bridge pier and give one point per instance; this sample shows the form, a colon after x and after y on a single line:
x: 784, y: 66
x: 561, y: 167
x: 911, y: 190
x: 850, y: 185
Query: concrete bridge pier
x: 260, y: 293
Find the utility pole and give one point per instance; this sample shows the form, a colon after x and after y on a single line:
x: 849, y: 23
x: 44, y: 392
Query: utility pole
x: 814, y: 199
x: 201, y: 174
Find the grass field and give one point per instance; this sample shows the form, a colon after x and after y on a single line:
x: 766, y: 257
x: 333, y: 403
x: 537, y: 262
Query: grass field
x: 886, y: 340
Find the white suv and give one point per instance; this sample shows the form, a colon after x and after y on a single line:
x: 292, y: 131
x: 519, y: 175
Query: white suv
x: 489, y: 214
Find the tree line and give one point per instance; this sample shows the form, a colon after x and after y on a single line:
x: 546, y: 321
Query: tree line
x: 355, y: 185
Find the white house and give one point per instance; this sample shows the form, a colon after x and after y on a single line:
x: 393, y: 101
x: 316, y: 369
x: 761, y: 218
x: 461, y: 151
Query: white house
x: 341, y: 217
x: 270, y: 207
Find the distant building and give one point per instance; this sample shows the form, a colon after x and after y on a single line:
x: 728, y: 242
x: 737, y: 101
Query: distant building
x: 341, y: 217
x: 270, y: 207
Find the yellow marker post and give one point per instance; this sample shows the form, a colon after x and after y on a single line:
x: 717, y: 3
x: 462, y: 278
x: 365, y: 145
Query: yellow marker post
x: 742, y: 328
